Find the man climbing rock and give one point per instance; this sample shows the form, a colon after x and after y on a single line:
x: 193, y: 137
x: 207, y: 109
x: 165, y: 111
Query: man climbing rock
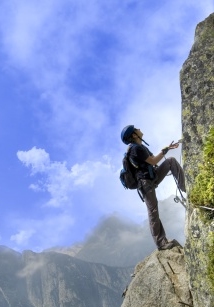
x: 149, y: 175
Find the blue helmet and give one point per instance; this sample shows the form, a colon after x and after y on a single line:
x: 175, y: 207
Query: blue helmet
x: 126, y: 134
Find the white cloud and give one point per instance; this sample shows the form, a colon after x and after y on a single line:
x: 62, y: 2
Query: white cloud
x: 157, y: 109
x: 22, y: 24
x: 36, y: 187
x: 36, y: 158
x: 59, y: 180
x: 95, y: 185
x: 31, y: 31
x: 98, y: 181
x: 22, y: 237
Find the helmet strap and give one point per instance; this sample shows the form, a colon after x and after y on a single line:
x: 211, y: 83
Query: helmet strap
x: 144, y: 142
x: 141, y: 139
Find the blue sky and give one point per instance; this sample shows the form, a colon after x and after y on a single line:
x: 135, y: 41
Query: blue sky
x: 73, y: 74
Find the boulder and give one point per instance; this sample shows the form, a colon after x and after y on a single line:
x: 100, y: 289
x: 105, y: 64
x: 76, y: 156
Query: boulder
x: 159, y: 280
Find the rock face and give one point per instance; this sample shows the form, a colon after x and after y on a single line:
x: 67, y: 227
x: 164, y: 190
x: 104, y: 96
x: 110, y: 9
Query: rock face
x: 197, y: 259
x: 159, y: 280
x: 53, y: 279
x: 197, y: 88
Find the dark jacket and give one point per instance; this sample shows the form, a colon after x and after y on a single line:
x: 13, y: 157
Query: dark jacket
x: 138, y: 154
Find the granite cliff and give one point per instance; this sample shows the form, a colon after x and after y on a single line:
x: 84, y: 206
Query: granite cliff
x: 197, y: 89
x: 186, y: 277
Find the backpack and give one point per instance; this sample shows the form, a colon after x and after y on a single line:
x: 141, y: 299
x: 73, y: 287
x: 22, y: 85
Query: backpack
x: 127, y: 176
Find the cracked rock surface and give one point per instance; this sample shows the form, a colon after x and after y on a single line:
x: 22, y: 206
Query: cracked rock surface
x: 159, y: 280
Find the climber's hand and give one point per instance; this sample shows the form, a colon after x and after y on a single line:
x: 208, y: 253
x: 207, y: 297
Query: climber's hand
x: 173, y: 145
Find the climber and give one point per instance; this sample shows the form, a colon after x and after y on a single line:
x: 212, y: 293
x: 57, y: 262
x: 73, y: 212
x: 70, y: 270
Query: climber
x: 149, y: 175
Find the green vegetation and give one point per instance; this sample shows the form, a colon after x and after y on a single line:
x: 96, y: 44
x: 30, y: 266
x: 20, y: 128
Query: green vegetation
x: 202, y: 193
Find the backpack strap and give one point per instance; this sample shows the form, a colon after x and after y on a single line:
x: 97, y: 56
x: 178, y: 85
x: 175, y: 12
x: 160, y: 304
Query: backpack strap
x: 128, y: 155
x: 130, y: 147
x: 140, y: 194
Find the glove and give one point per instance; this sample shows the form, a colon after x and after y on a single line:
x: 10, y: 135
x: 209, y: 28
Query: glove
x: 165, y: 150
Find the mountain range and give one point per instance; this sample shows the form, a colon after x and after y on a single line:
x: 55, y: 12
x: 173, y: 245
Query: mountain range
x: 93, y: 273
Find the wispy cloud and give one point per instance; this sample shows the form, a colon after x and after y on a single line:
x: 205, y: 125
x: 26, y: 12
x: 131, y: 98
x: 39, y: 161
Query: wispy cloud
x: 98, y: 180
x: 97, y: 69
x: 87, y: 63
x: 57, y: 179
x: 22, y: 237
x: 37, y: 159
x: 42, y: 232
x: 34, y: 264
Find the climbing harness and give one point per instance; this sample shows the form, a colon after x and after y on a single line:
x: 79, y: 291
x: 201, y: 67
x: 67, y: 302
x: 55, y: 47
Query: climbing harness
x: 141, y: 195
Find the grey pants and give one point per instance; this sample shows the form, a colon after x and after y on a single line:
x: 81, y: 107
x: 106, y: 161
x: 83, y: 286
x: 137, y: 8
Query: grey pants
x: 147, y: 189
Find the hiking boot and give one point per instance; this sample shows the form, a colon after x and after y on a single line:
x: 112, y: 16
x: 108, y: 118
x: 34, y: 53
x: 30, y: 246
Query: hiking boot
x: 167, y: 245
x: 176, y: 243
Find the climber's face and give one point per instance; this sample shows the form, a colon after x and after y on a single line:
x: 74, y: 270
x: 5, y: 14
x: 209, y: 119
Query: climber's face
x: 137, y: 133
